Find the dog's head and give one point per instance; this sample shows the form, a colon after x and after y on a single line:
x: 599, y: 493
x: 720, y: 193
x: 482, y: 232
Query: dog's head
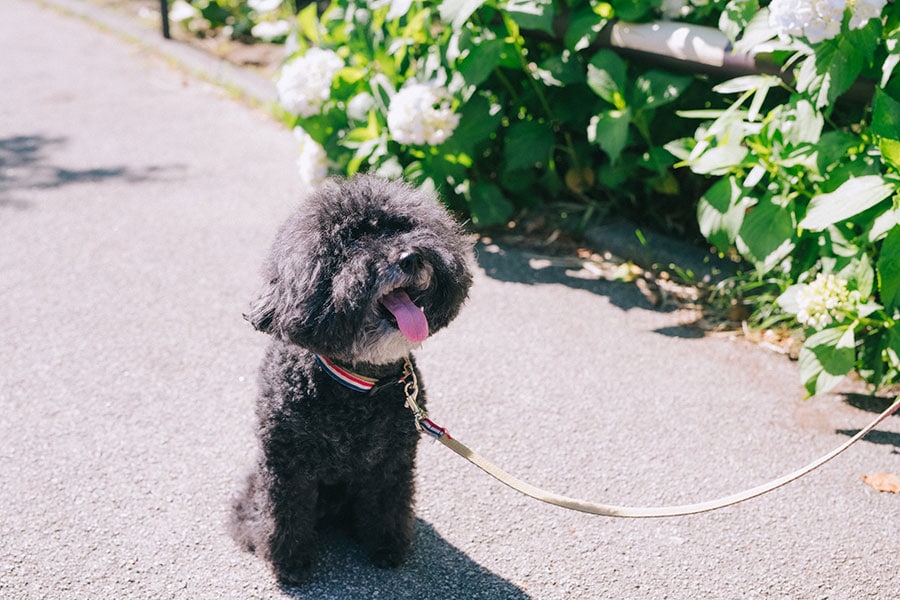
x: 364, y: 271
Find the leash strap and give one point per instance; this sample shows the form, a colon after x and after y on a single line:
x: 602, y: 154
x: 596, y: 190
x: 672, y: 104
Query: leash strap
x: 424, y: 424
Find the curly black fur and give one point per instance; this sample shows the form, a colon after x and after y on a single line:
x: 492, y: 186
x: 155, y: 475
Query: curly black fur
x: 327, y: 452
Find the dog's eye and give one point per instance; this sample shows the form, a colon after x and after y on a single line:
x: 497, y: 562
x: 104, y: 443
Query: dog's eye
x: 386, y: 226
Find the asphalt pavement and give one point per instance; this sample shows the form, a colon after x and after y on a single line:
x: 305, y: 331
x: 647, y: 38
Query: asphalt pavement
x: 137, y: 201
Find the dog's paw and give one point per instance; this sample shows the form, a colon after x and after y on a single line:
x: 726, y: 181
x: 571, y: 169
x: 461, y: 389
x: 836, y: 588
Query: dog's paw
x: 295, y: 571
x: 389, y: 556
x: 294, y: 574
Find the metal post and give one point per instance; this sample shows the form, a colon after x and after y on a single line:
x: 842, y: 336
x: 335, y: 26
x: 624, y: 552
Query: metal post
x: 164, y: 12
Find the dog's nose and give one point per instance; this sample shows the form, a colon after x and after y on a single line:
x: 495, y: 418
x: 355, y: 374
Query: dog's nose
x: 411, y: 261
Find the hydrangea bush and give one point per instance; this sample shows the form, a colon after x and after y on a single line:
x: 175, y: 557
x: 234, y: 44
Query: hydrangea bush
x: 265, y: 20
x: 503, y: 105
x: 806, y: 168
x: 509, y: 104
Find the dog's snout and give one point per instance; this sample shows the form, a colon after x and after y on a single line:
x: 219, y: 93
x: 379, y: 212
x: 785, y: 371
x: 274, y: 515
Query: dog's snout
x: 411, y: 261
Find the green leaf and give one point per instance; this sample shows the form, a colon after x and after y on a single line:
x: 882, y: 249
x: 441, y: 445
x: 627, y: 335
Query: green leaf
x: 609, y: 130
x: 583, y: 28
x: 323, y: 128
x: 799, y: 122
x: 736, y: 16
x: 606, y: 76
x: 631, y: 11
x: 871, y: 356
x: 826, y: 358
x: 615, y: 176
x: 398, y: 9
x: 837, y: 64
x: 488, y: 205
x: 892, y: 353
x: 890, y: 151
x: 888, y: 267
x: 456, y: 12
x: 519, y: 182
x: 656, y: 88
x: 526, y: 145
x: 350, y: 75
x: 883, y: 223
x: 788, y: 300
x: 746, y: 83
x: 657, y: 159
x: 447, y: 166
x: 718, y: 160
x: 532, y: 14
x: 887, y: 69
x: 766, y: 235
x: 885, y: 115
x: 859, y: 274
x: 757, y: 31
x: 851, y: 198
x: 565, y: 68
x: 720, y: 212
x: 886, y: 124
x: 832, y: 147
x: 307, y: 21
x: 367, y: 151
x: 478, y: 120
x: 482, y: 59
x: 680, y: 148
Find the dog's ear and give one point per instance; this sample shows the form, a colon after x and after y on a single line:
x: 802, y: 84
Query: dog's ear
x: 262, y: 312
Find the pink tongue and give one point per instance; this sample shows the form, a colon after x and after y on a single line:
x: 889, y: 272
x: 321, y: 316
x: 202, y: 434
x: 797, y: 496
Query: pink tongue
x: 410, y: 318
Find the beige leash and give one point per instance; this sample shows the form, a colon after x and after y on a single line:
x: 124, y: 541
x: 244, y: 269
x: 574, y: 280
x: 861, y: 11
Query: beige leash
x: 426, y: 425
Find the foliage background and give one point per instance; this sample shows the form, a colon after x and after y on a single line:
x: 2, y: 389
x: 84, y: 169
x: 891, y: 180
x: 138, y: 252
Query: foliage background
x: 514, y: 106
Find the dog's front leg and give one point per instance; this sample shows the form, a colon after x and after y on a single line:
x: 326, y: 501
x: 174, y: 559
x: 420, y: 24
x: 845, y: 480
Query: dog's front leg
x: 291, y: 547
x: 383, y: 514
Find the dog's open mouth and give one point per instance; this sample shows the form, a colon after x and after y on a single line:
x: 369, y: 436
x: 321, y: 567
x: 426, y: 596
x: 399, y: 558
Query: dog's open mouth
x: 410, y: 319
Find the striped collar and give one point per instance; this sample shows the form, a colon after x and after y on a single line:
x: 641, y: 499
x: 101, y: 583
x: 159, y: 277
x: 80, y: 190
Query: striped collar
x: 354, y: 381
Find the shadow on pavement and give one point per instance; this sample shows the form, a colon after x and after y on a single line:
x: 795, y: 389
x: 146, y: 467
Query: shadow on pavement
x: 25, y: 164
x: 685, y: 332
x: 436, y: 569
x: 872, y: 404
x: 869, y: 403
x: 882, y: 438
x: 506, y: 262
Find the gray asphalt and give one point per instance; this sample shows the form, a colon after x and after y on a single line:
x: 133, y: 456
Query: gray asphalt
x: 136, y: 203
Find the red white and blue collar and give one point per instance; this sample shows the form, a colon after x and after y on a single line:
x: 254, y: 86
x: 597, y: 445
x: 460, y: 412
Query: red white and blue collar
x: 354, y: 381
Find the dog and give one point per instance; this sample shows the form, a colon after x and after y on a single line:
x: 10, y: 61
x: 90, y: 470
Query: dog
x: 359, y: 275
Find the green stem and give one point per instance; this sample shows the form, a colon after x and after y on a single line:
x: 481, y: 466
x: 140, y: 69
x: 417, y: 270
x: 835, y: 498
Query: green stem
x: 542, y: 99
x: 520, y: 52
x: 507, y: 84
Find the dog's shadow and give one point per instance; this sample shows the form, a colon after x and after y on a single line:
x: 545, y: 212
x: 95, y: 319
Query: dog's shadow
x: 436, y: 569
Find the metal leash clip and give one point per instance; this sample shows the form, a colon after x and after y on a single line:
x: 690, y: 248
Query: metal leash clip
x: 411, y: 390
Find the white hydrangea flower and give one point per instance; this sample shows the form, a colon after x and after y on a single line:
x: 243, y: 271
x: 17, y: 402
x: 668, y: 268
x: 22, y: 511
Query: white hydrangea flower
x: 313, y: 163
x: 182, y: 11
x: 816, y: 20
x: 359, y: 106
x: 824, y: 300
x: 269, y: 31
x: 264, y: 6
x: 420, y: 114
x: 305, y: 83
x: 863, y: 10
